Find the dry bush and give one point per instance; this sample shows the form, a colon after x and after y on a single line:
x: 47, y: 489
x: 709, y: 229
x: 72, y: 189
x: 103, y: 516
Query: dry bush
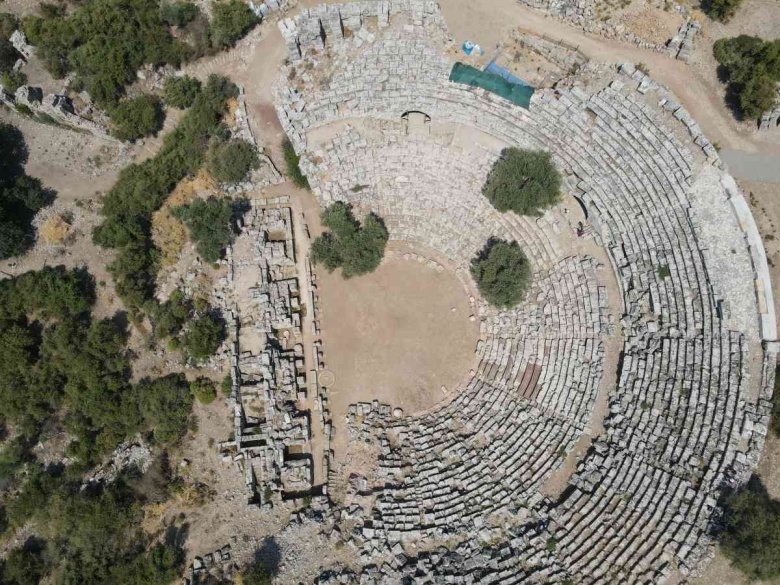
x: 55, y: 229
x: 230, y: 115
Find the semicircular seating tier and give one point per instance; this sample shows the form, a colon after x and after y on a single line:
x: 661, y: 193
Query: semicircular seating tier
x: 688, y: 396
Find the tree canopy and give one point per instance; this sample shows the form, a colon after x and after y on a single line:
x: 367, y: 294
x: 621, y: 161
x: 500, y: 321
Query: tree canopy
x: 722, y: 10
x: 502, y: 273
x: 137, y: 117
x: 751, y: 536
x: 229, y: 161
x: 21, y: 196
x: 523, y: 181
x: 203, y: 336
x: 231, y: 20
x: 180, y: 92
x: 357, y: 249
x: 105, y: 42
x: 752, y: 68
x: 209, y: 224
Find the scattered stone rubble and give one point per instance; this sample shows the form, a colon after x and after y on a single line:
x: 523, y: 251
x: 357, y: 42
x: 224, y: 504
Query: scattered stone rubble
x: 457, y: 496
x: 770, y: 121
x: 135, y: 453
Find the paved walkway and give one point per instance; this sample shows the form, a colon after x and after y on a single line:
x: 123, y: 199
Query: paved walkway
x: 763, y: 168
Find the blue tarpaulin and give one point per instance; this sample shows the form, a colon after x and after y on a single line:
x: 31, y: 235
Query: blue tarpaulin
x: 496, y: 70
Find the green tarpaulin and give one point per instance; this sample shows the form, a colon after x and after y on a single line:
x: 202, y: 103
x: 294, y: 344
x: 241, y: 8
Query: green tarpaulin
x: 518, y: 94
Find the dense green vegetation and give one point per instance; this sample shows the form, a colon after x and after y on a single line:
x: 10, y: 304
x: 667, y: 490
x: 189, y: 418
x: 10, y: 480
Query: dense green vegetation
x: 523, y: 181
x: 231, y: 20
x: 357, y: 249
x: 89, y: 536
x: 229, y: 161
x: 752, y: 69
x: 502, y: 273
x: 751, y: 535
x: 292, y: 161
x: 721, y: 10
x: 178, y: 13
x: 203, y: 336
x: 12, y: 80
x: 21, y: 196
x: 137, y: 117
x: 105, y: 42
x: 180, y: 92
x: 55, y: 358
x: 8, y: 24
x: 142, y: 189
x: 209, y: 224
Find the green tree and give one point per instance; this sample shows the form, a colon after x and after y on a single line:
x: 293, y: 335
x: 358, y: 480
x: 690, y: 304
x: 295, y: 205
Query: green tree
x: 752, y: 68
x: 137, y: 117
x: 178, y: 13
x: 722, y: 10
x: 292, y: 163
x: 523, y: 181
x: 203, y: 337
x: 257, y: 574
x: 230, y: 21
x: 209, y: 225
x: 8, y: 56
x: 203, y: 390
x: 230, y: 161
x: 21, y: 196
x: 13, y: 80
x: 165, y: 405
x: 180, y: 92
x: 25, y: 566
x: 751, y: 537
x: 169, y: 317
x: 357, y: 249
x: 502, y: 273
x: 8, y: 24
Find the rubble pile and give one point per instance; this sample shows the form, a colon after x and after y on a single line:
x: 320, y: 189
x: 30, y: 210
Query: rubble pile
x: 458, y: 495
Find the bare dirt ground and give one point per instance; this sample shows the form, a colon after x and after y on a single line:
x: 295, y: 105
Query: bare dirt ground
x: 397, y: 335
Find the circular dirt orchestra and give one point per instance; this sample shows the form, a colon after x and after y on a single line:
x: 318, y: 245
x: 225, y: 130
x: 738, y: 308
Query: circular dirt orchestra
x: 398, y: 335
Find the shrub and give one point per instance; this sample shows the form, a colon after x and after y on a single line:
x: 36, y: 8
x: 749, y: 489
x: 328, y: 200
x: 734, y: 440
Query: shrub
x: 169, y: 317
x: 722, y: 10
x: 502, y: 273
x: 291, y: 161
x: 203, y: 390
x: 751, y: 537
x: 357, y: 249
x: 26, y: 565
x: 137, y: 117
x: 178, y: 13
x: 13, y: 80
x: 208, y: 223
x: 230, y: 161
x: 257, y: 574
x: 226, y: 385
x: 203, y: 337
x: 180, y: 92
x: 230, y: 21
x: 752, y: 68
x: 523, y: 181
